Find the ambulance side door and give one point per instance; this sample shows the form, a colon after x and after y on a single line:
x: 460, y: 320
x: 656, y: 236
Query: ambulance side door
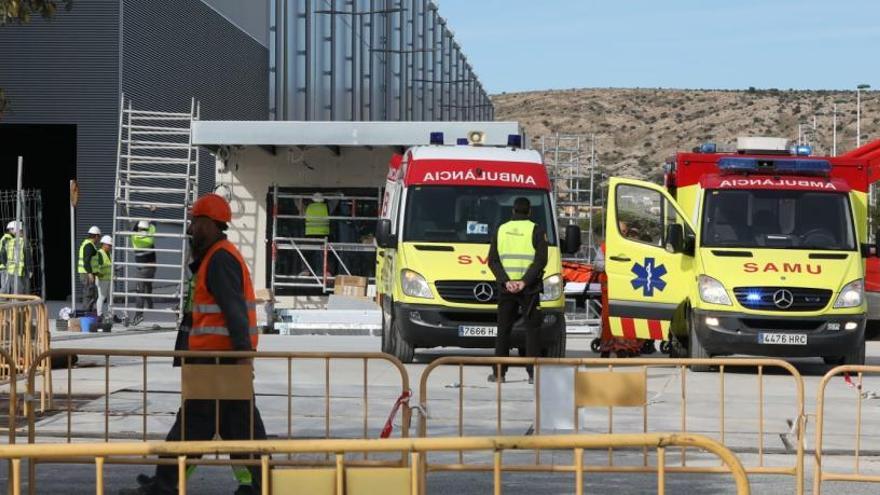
x: 646, y: 281
x: 385, y: 255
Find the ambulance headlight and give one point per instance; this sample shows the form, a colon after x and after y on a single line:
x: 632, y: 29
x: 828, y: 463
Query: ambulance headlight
x: 552, y: 288
x: 851, y: 295
x: 712, y: 291
x: 414, y: 285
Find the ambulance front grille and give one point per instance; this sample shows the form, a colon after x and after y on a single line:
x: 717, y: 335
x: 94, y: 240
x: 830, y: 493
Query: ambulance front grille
x: 463, y: 291
x: 801, y: 298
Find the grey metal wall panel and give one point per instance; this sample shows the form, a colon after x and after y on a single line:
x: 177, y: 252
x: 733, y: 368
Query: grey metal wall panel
x: 368, y: 60
x: 65, y: 71
x: 173, y: 51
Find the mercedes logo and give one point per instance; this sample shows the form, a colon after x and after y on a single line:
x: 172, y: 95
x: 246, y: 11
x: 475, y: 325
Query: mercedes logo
x: 783, y: 298
x: 483, y: 292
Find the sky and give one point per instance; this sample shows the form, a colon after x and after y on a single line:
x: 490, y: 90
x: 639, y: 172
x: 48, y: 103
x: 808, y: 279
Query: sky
x: 521, y: 45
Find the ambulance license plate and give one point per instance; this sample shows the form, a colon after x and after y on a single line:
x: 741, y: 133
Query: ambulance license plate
x: 783, y: 338
x: 476, y: 331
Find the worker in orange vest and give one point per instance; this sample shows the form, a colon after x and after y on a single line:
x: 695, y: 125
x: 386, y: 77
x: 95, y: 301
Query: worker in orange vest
x: 223, y: 319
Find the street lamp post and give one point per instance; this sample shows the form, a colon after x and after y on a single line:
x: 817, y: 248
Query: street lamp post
x: 859, y: 89
x: 834, y: 123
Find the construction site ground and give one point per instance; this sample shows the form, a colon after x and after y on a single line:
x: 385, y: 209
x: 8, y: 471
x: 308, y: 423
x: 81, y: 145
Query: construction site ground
x: 740, y: 412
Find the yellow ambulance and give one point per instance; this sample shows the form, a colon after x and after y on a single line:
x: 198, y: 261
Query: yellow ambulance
x: 760, y: 251
x: 441, y: 206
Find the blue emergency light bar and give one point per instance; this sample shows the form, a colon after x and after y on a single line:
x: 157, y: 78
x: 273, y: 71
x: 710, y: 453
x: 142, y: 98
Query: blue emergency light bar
x: 514, y: 140
x: 462, y: 142
x: 797, y: 166
x: 437, y: 138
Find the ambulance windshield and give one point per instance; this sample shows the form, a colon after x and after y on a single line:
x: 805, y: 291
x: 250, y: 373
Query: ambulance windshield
x: 777, y: 219
x: 468, y: 214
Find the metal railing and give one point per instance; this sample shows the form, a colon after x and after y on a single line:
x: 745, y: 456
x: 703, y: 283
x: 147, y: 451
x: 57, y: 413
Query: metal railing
x: 413, y: 482
x: 632, y: 405
x: 24, y: 335
x: 845, y: 427
x: 95, y: 393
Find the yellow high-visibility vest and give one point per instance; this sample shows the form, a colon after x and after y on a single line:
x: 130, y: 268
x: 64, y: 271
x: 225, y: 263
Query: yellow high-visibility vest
x: 317, y: 223
x: 515, y: 247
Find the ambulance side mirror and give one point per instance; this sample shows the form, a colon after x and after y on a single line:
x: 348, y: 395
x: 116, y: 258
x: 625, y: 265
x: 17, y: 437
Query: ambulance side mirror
x: 572, y: 242
x: 675, y: 242
x: 384, y: 237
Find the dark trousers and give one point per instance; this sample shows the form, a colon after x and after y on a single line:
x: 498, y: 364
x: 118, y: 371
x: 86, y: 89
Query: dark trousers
x: 89, y: 293
x: 200, y: 425
x: 145, y: 287
x: 510, y: 308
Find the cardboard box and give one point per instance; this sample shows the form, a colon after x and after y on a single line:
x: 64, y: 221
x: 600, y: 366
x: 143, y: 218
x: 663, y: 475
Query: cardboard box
x: 349, y: 285
x: 265, y: 307
x: 73, y: 325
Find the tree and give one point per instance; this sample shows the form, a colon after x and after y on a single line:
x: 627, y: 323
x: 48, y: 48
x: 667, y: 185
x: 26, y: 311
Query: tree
x: 20, y: 11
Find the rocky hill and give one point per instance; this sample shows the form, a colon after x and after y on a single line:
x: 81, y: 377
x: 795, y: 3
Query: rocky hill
x: 638, y: 129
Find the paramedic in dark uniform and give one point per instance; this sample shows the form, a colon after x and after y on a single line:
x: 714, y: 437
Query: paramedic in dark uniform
x: 517, y: 257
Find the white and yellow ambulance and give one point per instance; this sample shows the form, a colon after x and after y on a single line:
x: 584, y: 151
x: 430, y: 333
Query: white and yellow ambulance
x: 759, y: 251
x: 441, y: 206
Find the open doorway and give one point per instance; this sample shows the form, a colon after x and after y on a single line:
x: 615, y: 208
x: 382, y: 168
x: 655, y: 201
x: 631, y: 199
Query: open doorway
x: 49, y: 153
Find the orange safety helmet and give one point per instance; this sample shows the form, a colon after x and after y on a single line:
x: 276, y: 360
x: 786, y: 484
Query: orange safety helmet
x: 214, y: 207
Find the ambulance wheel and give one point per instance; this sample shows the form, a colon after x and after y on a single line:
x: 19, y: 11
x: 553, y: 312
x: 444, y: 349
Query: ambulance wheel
x: 595, y: 345
x: 648, y: 347
x: 557, y: 350
x: 403, y: 350
x: 856, y: 357
x: 387, y: 342
x: 521, y: 351
x: 695, y: 349
x: 665, y: 347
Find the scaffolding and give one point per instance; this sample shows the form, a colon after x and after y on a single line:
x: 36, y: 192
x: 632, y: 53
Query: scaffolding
x: 571, y: 164
x: 32, y: 225
x: 300, y: 262
x: 156, y: 182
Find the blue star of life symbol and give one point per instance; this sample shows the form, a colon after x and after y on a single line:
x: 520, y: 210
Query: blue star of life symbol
x: 648, y: 277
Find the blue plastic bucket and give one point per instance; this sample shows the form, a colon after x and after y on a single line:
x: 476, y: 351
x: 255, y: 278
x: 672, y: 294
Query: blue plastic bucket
x: 88, y: 324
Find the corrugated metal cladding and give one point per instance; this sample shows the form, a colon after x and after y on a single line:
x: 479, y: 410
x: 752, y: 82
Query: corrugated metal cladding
x: 66, y: 71
x: 384, y: 60
x: 173, y: 51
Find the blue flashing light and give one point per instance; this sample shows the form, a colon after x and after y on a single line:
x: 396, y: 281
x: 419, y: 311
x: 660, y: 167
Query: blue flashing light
x: 514, y: 141
x: 462, y: 141
x: 753, y: 296
x: 437, y: 138
x: 737, y: 164
x: 799, y: 166
x: 803, y: 150
x: 708, y: 148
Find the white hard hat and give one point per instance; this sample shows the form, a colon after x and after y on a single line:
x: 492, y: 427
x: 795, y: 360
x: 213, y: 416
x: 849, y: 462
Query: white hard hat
x: 13, y: 225
x: 143, y: 224
x: 107, y: 240
x: 318, y: 197
x: 94, y: 230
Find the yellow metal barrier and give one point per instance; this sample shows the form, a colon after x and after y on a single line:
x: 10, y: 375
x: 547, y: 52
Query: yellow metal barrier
x: 607, y: 392
x: 342, y: 479
x: 24, y: 335
x: 852, y: 385
x: 98, y: 376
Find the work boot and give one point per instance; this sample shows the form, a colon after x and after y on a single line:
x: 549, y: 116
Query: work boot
x: 492, y: 378
x: 531, y: 379
x: 147, y: 486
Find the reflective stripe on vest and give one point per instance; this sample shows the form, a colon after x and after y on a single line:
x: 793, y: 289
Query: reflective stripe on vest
x: 102, y: 265
x: 317, y: 223
x: 15, y: 261
x: 515, y: 247
x: 210, y: 331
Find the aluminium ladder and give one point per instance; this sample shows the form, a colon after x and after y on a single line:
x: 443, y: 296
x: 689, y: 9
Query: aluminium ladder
x: 156, y: 181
